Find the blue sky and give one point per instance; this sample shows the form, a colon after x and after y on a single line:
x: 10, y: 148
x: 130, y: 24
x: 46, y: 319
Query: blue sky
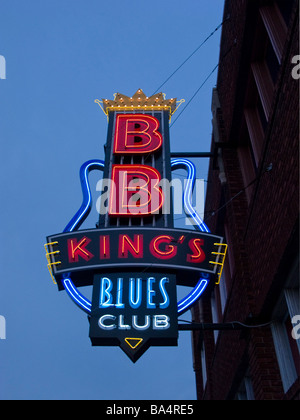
x: 60, y: 56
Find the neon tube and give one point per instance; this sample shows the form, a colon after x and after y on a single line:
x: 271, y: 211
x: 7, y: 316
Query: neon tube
x: 186, y: 303
x: 82, y: 302
x: 76, y: 296
x: 187, y: 195
x: 76, y: 222
x: 86, y: 205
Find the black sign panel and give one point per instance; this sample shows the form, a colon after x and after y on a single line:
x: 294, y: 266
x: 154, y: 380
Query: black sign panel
x: 134, y: 311
x: 161, y: 157
x: 83, y: 253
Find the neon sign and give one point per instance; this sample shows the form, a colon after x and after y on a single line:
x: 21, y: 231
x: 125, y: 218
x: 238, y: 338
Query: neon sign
x: 83, y: 253
x: 135, y: 258
x: 134, y: 311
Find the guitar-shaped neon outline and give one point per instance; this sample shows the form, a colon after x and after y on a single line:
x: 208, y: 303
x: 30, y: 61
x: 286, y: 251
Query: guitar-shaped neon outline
x: 77, y: 220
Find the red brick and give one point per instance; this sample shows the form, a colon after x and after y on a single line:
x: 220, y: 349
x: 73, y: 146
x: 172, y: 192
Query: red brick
x: 260, y: 230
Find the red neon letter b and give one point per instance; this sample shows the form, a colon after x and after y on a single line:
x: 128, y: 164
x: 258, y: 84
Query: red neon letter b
x: 135, y: 191
x: 136, y: 133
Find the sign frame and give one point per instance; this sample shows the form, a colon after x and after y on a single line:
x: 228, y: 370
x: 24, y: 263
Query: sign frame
x: 83, y: 270
x: 155, y: 248
x: 112, y: 324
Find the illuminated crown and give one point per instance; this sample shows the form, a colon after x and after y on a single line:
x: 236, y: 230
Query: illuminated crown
x: 139, y: 102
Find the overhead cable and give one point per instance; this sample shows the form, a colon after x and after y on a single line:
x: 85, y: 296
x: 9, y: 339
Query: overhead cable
x: 203, y: 83
x: 212, y: 213
x: 195, y: 94
x: 191, y: 55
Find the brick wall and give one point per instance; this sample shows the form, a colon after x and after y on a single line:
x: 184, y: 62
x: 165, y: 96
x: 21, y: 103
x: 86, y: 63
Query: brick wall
x: 276, y: 207
x: 264, y: 371
x: 259, y: 231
